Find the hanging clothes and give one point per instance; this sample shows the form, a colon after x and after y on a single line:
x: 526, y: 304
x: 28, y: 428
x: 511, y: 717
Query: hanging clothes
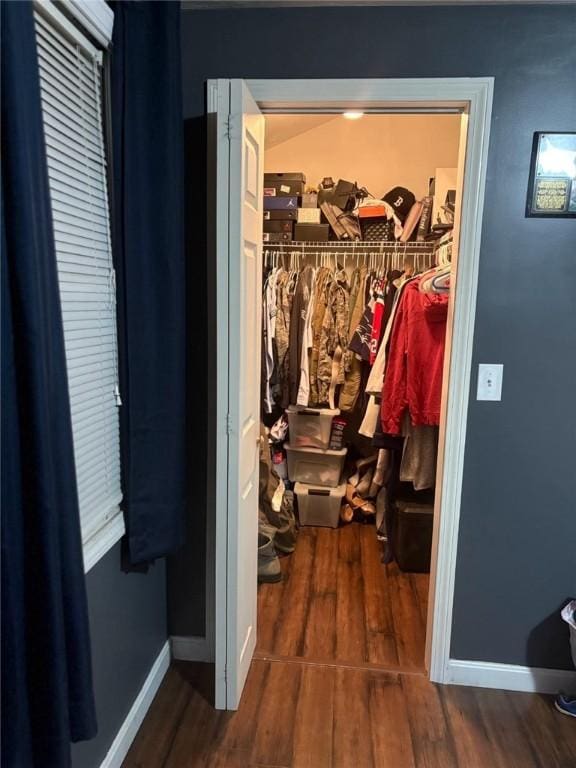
x: 375, y: 381
x: 413, y: 377
x: 282, y: 327
x: 269, y: 311
x: 304, y: 385
x: 353, y: 377
x: 332, y: 359
x: 360, y: 339
x: 297, y: 324
x: 418, y: 465
x: 322, y: 283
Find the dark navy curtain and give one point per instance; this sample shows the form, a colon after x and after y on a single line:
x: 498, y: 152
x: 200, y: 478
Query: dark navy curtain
x: 148, y: 239
x: 47, y: 697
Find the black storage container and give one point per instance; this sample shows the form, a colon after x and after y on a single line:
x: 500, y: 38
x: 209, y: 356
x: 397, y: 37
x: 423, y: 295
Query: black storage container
x: 291, y: 215
x: 413, y: 536
x: 285, y: 183
x: 311, y: 232
x: 278, y: 226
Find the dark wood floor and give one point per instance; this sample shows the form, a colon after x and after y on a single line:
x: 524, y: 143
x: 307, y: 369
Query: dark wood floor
x: 304, y: 715
x: 317, y: 695
x: 338, y: 602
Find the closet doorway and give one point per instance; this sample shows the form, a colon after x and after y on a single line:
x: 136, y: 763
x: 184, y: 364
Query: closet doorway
x: 233, y: 604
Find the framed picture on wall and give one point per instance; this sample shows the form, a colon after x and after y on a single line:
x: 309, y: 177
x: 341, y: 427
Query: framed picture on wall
x: 552, y: 184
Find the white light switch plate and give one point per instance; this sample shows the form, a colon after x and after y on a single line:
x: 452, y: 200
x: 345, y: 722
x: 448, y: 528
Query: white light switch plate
x: 490, y: 381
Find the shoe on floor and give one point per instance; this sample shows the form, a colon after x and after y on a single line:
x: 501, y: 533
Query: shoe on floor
x: 363, y: 486
x: 285, y: 538
x: 268, y: 564
x: 566, y: 705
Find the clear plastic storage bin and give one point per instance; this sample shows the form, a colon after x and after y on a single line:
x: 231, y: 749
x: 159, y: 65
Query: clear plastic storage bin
x: 314, y: 466
x: 318, y: 505
x: 310, y: 427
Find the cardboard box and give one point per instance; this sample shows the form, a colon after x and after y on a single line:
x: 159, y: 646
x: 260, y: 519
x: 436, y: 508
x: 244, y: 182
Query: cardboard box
x: 308, y: 215
x: 310, y: 200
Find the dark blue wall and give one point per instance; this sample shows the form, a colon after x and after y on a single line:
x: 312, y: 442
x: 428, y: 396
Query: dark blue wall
x: 128, y: 630
x: 516, y: 561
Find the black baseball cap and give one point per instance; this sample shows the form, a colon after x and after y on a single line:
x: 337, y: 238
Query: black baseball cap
x: 401, y: 200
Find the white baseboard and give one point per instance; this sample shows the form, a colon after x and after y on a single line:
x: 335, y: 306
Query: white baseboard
x: 509, y: 677
x: 138, y: 710
x: 191, y: 648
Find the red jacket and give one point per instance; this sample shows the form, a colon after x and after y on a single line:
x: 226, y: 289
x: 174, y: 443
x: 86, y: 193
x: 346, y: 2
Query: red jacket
x: 413, y: 377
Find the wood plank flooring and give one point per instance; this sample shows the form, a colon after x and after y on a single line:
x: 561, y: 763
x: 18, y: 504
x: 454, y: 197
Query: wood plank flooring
x: 338, y: 682
x: 338, y: 603
x: 305, y: 715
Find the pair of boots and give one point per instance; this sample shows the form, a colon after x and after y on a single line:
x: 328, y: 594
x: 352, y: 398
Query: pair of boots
x: 275, y: 535
x: 277, y: 523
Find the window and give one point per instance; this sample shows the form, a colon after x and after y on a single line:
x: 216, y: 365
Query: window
x: 71, y: 91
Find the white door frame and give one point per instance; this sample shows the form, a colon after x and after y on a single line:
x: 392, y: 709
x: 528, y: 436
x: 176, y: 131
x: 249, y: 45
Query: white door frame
x: 473, y: 97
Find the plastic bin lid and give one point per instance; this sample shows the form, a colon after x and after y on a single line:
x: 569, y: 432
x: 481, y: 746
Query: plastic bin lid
x: 306, y: 411
x: 305, y: 488
x: 317, y: 451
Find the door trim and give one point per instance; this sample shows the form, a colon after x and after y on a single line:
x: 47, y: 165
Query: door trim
x: 218, y: 108
x: 473, y: 97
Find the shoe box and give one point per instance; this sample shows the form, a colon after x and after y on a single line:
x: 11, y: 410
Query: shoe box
x: 283, y: 203
x: 277, y: 237
x: 285, y: 196
x: 290, y: 215
x: 279, y: 225
x: 311, y: 232
x: 284, y: 184
x: 308, y: 215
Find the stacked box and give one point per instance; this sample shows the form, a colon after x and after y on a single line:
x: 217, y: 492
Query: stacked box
x: 318, y: 505
x: 286, y: 200
x: 310, y: 427
x: 315, y: 466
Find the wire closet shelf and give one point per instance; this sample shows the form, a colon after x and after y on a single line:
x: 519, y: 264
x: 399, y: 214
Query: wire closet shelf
x: 377, y: 254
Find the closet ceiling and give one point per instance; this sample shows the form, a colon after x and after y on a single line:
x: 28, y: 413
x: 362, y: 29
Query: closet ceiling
x: 281, y: 128
x: 378, y: 151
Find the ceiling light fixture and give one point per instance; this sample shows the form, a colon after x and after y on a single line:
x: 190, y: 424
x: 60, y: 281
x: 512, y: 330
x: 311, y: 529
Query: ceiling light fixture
x: 352, y: 115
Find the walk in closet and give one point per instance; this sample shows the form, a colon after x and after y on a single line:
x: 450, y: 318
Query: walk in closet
x: 358, y: 248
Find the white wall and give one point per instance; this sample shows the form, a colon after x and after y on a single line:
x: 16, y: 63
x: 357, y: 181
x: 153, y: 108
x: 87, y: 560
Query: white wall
x: 377, y: 151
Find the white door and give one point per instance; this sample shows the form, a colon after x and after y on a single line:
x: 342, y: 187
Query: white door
x: 239, y: 182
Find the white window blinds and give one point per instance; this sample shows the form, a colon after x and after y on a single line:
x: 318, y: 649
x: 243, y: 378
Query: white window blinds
x: 71, y: 91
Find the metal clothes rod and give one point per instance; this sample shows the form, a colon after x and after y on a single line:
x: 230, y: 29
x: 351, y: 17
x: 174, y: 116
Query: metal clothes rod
x: 374, y: 245
x: 379, y: 255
